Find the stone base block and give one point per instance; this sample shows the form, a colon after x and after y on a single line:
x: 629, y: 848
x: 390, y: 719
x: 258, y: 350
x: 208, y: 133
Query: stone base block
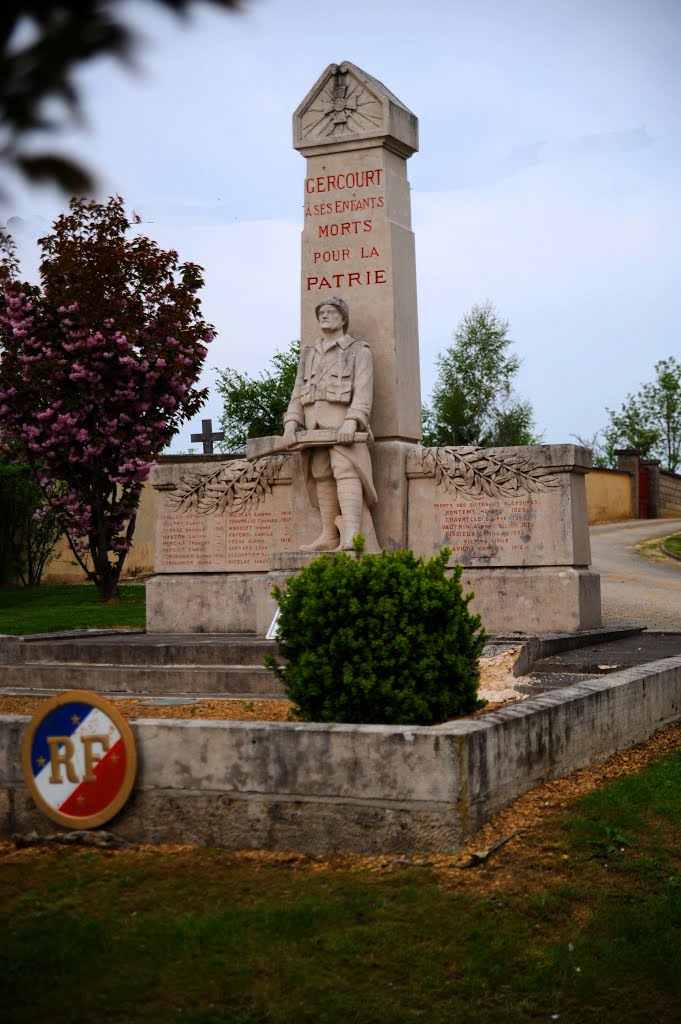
x: 292, y: 561
x: 554, y: 599
x: 539, y: 600
x: 212, y: 602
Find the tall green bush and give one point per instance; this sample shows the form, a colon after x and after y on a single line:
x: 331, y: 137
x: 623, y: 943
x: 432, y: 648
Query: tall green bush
x: 26, y: 542
x: 378, y: 638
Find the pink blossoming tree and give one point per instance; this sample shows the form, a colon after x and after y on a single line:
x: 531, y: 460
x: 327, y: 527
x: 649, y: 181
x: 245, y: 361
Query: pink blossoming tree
x: 98, y: 367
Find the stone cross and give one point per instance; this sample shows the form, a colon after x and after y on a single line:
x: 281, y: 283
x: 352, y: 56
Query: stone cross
x: 357, y: 241
x: 207, y: 436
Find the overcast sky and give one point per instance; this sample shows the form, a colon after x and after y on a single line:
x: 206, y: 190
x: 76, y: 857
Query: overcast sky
x: 548, y: 178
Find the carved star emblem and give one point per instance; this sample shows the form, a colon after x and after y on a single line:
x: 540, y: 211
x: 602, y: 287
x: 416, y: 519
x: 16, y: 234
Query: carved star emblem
x: 343, y: 107
x: 344, y: 104
x: 80, y: 799
x: 114, y: 758
x: 75, y: 719
x: 41, y: 761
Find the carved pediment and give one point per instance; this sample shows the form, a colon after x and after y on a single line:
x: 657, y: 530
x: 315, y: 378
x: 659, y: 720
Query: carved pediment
x: 347, y: 106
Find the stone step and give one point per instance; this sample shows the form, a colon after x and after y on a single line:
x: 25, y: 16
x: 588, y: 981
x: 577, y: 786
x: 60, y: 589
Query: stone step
x: 146, y: 650
x: 611, y: 656
x: 534, y: 686
x: 158, y: 679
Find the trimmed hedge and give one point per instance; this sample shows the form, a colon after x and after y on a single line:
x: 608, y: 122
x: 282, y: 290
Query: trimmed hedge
x: 378, y: 638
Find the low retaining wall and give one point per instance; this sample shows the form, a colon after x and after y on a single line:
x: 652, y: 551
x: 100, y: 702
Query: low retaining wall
x: 365, y: 789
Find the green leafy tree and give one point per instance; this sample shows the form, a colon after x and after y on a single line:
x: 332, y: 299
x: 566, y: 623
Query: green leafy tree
x: 98, y: 366
x: 255, y: 406
x: 43, y: 44
x: 649, y: 421
x: 473, y: 400
x: 598, y: 442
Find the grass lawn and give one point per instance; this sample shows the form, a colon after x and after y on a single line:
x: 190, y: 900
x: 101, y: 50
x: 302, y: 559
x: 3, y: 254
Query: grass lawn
x: 585, y: 927
x: 673, y: 544
x: 47, y: 609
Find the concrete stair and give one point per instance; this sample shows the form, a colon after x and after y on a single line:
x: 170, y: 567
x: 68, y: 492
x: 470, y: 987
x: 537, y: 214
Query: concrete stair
x: 138, y: 663
x: 617, y: 650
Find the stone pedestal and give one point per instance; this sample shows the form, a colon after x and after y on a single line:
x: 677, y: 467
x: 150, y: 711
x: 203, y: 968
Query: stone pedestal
x: 515, y: 518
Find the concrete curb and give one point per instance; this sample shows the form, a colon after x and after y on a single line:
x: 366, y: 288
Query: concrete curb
x: 9, y: 649
x: 366, y: 788
x: 670, y: 554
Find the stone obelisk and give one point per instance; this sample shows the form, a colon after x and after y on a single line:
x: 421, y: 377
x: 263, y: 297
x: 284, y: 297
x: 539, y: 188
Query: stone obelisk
x: 357, y: 240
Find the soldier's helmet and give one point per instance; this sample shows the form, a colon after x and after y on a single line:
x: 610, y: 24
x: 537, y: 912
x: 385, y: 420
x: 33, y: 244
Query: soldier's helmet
x: 340, y: 304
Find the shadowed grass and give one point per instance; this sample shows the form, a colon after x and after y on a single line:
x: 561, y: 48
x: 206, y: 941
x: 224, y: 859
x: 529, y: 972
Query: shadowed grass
x: 673, y: 545
x: 204, y: 937
x: 48, y: 609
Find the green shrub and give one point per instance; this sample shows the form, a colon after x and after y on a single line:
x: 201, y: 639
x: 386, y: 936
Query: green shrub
x: 378, y: 638
x: 26, y: 543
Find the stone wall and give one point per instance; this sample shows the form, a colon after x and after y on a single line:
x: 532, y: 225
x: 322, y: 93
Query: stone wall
x: 669, y: 494
x: 608, y: 495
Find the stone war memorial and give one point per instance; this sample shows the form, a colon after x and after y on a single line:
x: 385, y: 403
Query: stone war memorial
x: 349, y: 459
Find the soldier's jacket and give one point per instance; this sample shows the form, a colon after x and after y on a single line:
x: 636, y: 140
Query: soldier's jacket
x: 343, y: 374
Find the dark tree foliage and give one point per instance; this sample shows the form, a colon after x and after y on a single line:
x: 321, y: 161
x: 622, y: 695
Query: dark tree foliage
x: 473, y: 399
x: 255, y: 406
x: 28, y: 527
x: 43, y: 43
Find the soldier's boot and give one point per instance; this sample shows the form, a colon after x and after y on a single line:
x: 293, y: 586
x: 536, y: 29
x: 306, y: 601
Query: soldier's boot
x: 350, y: 501
x: 328, y: 509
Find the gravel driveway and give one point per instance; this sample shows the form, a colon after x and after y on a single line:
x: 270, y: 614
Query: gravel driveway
x: 634, y: 590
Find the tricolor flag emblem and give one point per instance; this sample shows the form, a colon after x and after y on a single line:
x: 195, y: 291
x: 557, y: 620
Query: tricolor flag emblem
x: 79, y: 759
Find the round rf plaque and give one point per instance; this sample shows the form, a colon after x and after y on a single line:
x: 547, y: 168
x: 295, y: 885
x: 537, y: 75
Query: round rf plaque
x: 79, y: 759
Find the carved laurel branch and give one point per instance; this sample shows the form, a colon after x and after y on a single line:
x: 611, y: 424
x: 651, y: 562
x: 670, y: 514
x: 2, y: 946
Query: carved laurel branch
x: 235, y: 488
x: 474, y: 472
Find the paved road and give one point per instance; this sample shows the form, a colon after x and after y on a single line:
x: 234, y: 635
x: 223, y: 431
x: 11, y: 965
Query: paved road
x: 634, y: 590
